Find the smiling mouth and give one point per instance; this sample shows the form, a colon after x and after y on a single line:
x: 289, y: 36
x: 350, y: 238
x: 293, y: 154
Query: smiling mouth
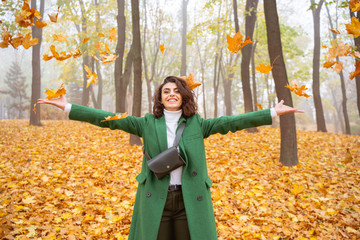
x: 172, y: 100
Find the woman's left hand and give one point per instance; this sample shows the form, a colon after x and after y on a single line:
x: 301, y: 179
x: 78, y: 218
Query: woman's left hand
x: 281, y: 109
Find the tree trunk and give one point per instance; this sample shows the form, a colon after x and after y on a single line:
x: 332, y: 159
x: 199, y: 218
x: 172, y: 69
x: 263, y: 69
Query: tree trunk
x: 236, y: 20
x: 320, y: 119
x: 357, y: 78
x: 36, y: 69
x: 134, y: 140
x: 183, y: 38
x: 288, y: 153
x: 343, y: 88
x: 120, y: 87
x: 85, y: 99
x: 250, y: 19
x: 217, y: 66
x: 253, y: 75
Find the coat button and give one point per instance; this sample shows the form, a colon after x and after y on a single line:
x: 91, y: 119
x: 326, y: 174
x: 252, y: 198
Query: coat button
x: 194, y: 173
x: 199, y: 198
x: 148, y: 194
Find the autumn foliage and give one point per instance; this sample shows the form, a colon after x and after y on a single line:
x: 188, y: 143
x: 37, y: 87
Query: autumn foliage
x: 70, y: 180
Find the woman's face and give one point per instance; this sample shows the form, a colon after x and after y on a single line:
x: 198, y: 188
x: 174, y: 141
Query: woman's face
x: 171, y: 97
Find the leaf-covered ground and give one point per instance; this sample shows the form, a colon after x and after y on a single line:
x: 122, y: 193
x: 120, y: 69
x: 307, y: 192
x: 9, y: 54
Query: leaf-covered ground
x: 71, y: 180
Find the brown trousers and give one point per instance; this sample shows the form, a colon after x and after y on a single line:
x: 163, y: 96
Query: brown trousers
x: 174, y: 225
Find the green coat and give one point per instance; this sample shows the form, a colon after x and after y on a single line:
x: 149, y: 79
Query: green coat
x: 151, y: 193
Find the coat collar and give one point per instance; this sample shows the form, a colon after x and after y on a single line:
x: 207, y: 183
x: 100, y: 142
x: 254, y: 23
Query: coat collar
x: 160, y: 126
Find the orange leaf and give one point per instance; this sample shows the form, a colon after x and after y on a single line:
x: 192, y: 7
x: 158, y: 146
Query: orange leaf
x: 259, y: 106
x: 53, y: 17
x: 76, y: 53
x: 55, y: 93
x: 112, y: 35
x: 95, y: 58
x: 27, y: 43
x: 26, y: 16
x: 59, y: 37
x: 100, y: 34
x: 109, y: 58
x: 355, y: 54
x: 334, y: 31
x: 338, y: 49
x: 162, y: 48
x: 107, y: 50
x: 34, y: 109
x: 86, y: 39
x: 92, y: 77
x: 190, y: 81
x: 235, y: 43
x: 40, y: 24
x: 264, y: 68
x: 6, y: 38
x: 329, y: 64
x: 116, y: 117
x: 354, y: 27
x: 324, y: 46
x: 338, y: 67
x: 298, y: 90
x: 98, y: 45
x: 17, y: 41
x: 356, y: 72
x: 354, y: 5
x: 47, y: 57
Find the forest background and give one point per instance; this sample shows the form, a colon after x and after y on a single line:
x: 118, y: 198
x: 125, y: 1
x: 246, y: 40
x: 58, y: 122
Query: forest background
x: 208, y: 24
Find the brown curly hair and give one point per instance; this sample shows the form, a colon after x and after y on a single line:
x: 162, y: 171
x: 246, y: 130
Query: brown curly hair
x: 188, y: 106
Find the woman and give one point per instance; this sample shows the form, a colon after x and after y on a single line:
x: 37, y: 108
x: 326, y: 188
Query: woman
x: 179, y: 205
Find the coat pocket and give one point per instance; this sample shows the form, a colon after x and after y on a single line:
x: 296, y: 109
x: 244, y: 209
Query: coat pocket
x: 208, y: 182
x: 141, y: 178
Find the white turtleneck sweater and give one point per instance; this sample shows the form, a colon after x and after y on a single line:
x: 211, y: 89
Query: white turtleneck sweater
x: 172, y: 119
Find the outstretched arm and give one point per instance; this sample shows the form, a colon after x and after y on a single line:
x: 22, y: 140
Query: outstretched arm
x: 58, y: 102
x: 281, y: 109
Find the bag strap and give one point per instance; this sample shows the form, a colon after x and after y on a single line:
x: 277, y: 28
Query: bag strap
x: 179, y: 133
x: 176, y: 141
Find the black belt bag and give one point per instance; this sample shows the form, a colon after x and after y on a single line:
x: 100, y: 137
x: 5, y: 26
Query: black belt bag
x: 170, y: 159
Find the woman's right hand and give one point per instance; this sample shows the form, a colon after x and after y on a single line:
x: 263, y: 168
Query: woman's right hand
x: 58, y: 102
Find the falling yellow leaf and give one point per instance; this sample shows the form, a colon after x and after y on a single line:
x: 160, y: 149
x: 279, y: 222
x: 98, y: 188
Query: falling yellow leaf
x: 354, y: 27
x: 298, y: 90
x: 92, y: 77
x: 59, y: 37
x: 190, y: 81
x: 338, y: 67
x: 109, y: 58
x: 162, y: 48
x: 100, y: 34
x: 356, y: 72
x: 34, y: 109
x: 116, y: 117
x: 55, y: 93
x: 112, y: 35
x: 264, y: 68
x: 40, y: 24
x: 354, y: 5
x: 27, y: 43
x: 86, y: 39
x: 259, y: 106
x: 334, y: 31
x: 53, y: 17
x: 235, y: 43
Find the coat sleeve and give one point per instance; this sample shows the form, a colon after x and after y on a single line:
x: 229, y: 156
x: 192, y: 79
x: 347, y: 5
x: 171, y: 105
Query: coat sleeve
x: 235, y: 123
x: 130, y: 124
